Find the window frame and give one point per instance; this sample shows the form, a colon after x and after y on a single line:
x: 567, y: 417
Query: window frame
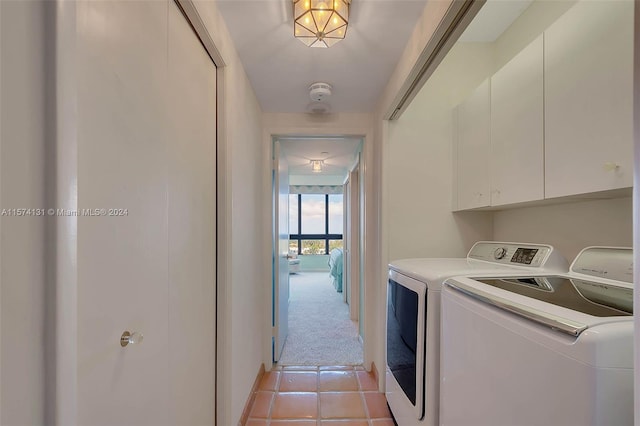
x: 326, y: 236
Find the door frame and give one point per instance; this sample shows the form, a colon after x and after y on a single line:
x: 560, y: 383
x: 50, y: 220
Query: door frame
x: 360, y: 261
x: 279, y: 251
x: 352, y: 247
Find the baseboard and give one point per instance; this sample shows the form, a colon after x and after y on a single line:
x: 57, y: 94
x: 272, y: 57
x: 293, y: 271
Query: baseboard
x: 252, y: 397
x: 374, y: 370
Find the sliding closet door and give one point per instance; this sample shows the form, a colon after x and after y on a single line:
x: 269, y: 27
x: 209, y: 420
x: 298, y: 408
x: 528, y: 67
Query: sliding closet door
x: 146, y: 138
x: 122, y: 268
x: 192, y: 219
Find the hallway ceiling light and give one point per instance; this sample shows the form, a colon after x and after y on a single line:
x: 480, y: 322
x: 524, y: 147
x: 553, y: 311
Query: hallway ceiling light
x: 320, y: 23
x: 316, y: 166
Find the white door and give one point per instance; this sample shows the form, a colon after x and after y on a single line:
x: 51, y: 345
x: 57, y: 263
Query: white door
x: 517, y: 128
x: 588, y: 64
x: 192, y: 225
x: 280, y: 250
x: 473, y: 148
x: 146, y: 145
x: 122, y: 260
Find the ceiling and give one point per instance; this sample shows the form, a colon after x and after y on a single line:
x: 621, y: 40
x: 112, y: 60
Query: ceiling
x: 493, y: 19
x: 281, y: 68
x: 338, y: 155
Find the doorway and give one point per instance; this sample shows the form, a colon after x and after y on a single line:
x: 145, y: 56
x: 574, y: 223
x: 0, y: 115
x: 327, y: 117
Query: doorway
x: 316, y: 250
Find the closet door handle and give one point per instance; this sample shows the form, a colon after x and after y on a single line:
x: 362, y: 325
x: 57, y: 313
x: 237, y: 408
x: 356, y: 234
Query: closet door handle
x: 133, y: 338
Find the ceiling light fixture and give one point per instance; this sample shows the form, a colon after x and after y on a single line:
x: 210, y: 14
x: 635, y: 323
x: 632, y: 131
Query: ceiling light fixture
x: 316, y: 166
x: 320, y: 23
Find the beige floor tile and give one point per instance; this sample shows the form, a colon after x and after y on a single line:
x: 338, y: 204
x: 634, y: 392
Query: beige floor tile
x: 377, y: 405
x: 367, y: 381
x: 300, y: 368
x: 344, y: 423
x: 261, y: 405
x: 299, y: 381
x: 295, y: 405
x: 339, y: 381
x: 336, y: 367
x: 256, y: 422
x: 269, y: 381
x: 341, y: 405
x: 382, y: 422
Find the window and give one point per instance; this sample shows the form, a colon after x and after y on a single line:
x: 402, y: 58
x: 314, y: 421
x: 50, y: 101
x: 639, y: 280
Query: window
x: 315, y: 223
x: 335, y: 214
x: 293, y: 216
x: 313, y: 213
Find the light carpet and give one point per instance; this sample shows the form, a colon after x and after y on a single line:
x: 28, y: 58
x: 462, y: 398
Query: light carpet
x: 320, y: 330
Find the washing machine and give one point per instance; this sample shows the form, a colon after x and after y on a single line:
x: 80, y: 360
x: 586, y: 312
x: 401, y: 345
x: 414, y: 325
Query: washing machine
x: 541, y: 350
x: 413, y: 318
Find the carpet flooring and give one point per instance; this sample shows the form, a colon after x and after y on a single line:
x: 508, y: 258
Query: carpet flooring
x: 320, y: 330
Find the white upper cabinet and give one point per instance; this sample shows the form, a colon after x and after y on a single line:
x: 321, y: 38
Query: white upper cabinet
x: 588, y: 99
x: 474, y: 141
x: 517, y: 128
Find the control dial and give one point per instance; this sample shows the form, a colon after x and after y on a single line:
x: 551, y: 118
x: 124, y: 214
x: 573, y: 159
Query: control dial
x: 500, y: 253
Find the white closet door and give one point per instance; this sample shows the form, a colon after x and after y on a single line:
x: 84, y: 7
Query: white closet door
x: 146, y: 144
x: 122, y: 260
x: 192, y: 230
x: 517, y: 132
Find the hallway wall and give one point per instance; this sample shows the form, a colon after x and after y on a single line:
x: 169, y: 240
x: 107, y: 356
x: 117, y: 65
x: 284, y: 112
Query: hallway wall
x: 241, y: 289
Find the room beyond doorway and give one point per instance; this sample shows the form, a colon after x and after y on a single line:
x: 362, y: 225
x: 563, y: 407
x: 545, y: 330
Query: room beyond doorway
x: 320, y: 329
x: 316, y: 221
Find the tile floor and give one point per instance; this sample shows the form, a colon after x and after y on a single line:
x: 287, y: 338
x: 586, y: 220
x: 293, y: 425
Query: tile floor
x: 319, y: 396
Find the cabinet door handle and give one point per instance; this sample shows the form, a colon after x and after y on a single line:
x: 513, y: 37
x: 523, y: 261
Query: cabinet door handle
x: 610, y: 166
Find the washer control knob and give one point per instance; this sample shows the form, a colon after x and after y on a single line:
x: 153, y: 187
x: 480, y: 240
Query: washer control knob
x: 500, y: 253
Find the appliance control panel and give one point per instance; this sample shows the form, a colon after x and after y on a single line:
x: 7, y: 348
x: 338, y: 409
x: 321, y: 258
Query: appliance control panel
x: 517, y: 254
x: 614, y: 263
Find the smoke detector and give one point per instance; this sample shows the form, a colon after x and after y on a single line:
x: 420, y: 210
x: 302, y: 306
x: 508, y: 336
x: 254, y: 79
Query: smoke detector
x: 319, y: 92
x: 318, y: 108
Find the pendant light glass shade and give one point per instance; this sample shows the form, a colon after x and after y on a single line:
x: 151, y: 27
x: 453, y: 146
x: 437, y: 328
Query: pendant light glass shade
x: 320, y: 23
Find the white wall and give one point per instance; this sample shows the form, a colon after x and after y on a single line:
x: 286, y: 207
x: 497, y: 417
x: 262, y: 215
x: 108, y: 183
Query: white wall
x: 22, y: 180
x: 569, y: 227
x: 241, y: 282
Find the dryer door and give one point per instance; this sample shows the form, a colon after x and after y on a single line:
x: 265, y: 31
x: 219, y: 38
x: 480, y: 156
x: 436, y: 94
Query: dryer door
x: 406, y: 327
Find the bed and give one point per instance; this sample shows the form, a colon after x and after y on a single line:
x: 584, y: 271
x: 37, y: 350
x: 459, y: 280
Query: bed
x: 335, y: 268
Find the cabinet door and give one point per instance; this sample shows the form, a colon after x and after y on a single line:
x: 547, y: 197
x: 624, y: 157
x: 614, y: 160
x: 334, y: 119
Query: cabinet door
x: 588, y: 99
x: 474, y: 141
x: 517, y: 151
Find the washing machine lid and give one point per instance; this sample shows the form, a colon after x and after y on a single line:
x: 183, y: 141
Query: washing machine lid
x: 589, y: 297
x: 563, y: 303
